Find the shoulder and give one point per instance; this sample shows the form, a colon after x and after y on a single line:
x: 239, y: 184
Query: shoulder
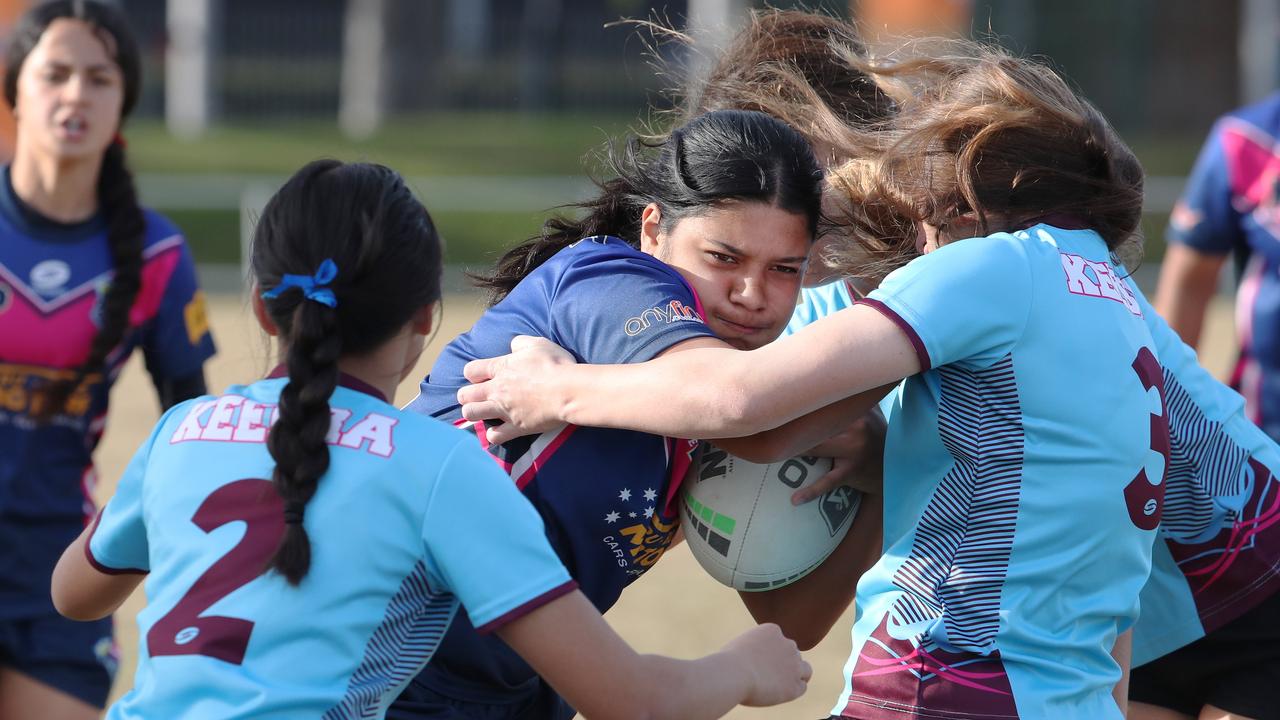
x: 1259, y: 121
x: 161, y: 233
x: 991, y: 254
x: 607, y: 254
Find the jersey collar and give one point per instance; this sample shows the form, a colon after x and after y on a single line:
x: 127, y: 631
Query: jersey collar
x: 344, y: 380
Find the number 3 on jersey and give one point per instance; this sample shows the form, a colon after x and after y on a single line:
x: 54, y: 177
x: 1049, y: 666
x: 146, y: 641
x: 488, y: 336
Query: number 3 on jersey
x: 1143, y: 497
x: 182, y: 631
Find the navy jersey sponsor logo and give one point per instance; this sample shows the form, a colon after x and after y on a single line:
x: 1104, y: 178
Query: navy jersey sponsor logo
x: 642, y: 533
x: 674, y: 311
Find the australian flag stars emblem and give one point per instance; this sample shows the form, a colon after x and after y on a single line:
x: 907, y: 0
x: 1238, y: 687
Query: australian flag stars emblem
x: 639, y: 528
x: 632, y: 512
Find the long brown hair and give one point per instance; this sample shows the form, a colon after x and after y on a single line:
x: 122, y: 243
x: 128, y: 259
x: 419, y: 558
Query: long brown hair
x: 792, y: 64
x: 979, y: 134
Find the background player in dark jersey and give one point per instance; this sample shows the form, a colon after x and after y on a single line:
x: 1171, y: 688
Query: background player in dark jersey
x: 86, y: 276
x: 707, y: 234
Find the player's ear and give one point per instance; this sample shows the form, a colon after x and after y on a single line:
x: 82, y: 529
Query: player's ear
x: 651, y: 229
x: 260, y: 312
x: 423, y: 319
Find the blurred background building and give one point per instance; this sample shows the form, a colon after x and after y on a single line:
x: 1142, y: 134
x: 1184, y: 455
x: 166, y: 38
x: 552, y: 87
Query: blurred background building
x: 495, y: 107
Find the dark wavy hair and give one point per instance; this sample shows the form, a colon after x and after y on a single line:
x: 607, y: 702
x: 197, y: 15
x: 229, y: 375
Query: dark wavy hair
x: 364, y: 218
x: 715, y: 158
x: 117, y: 196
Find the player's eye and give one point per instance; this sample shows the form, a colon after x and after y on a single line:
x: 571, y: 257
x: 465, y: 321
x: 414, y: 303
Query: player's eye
x: 722, y: 257
x: 787, y: 269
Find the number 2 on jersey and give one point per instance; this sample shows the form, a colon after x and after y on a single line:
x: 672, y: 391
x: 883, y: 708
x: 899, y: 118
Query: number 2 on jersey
x: 182, y: 631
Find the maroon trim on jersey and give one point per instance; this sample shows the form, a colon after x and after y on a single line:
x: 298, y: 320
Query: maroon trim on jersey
x: 88, y: 554
x: 895, y: 679
x: 528, y: 607
x: 349, y: 382
x: 921, y: 351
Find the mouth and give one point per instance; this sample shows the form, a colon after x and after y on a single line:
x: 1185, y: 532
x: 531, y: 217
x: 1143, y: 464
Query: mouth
x: 741, y: 328
x: 73, y: 128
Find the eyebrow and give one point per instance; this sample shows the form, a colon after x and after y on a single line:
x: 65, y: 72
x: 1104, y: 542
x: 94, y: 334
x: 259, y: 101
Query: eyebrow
x: 96, y: 67
x: 738, y: 251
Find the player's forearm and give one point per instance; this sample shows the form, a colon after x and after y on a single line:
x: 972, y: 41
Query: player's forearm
x: 81, y: 592
x: 708, y: 687
x: 803, y: 434
x: 808, y: 608
x: 1188, y: 280
x: 689, y: 394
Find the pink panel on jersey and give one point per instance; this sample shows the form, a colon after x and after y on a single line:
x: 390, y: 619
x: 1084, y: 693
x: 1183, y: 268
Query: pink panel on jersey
x: 155, y: 280
x: 70, y: 323
x: 1253, y: 164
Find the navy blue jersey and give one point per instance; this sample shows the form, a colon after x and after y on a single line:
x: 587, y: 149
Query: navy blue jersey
x: 52, y: 281
x: 1232, y: 205
x: 605, y: 495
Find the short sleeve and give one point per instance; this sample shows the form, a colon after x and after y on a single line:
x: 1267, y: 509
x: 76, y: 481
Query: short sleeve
x: 624, y: 309
x: 118, y: 543
x: 177, y: 340
x: 967, y: 301
x: 1204, y: 217
x: 486, y: 543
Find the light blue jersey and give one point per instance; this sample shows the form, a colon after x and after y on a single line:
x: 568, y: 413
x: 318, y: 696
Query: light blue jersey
x: 819, y: 302
x: 1220, y: 555
x: 411, y: 518
x: 1024, y: 475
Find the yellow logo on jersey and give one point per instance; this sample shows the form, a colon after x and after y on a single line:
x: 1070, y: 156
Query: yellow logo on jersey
x: 21, y: 387
x: 196, y: 315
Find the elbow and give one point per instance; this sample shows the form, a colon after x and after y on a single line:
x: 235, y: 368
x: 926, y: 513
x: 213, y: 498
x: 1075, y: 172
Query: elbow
x: 737, y: 413
x: 805, y: 638
x: 81, y: 609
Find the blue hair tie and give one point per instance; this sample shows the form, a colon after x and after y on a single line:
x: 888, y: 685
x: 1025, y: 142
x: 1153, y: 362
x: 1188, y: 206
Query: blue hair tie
x: 313, y: 287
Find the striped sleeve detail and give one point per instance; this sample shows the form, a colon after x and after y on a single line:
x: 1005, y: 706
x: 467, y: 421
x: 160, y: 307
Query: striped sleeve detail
x: 414, y: 624
x: 922, y: 353
x: 957, y: 566
x: 1204, y: 463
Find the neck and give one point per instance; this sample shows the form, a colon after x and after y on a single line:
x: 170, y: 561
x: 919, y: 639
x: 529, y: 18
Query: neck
x: 383, y: 368
x: 61, y: 190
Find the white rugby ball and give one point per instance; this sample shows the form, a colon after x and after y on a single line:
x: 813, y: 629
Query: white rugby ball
x: 742, y: 528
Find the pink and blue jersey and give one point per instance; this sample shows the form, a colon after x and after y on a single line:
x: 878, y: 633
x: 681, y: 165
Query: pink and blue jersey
x: 52, y: 280
x: 1231, y: 204
x: 411, y: 519
x: 606, y: 496
x: 1020, y: 506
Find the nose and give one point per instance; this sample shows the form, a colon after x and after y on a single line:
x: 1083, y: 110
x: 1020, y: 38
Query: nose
x: 73, y: 90
x: 748, y: 292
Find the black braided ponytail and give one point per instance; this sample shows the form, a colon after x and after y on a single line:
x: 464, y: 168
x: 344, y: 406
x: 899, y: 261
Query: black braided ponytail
x: 117, y: 196
x: 386, y: 254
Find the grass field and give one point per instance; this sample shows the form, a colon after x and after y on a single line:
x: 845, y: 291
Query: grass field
x: 675, y: 609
